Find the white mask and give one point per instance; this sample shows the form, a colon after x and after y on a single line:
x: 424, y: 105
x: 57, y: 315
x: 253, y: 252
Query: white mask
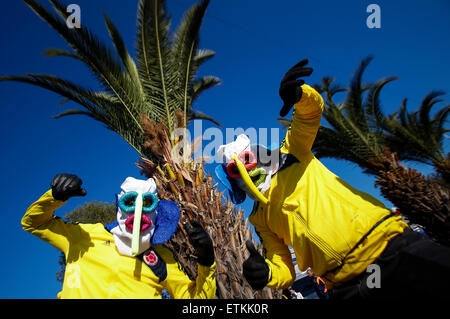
x: 123, y: 232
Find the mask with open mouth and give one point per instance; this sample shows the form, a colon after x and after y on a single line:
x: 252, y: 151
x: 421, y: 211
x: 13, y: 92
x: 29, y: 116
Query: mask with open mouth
x: 247, y: 169
x: 142, y: 219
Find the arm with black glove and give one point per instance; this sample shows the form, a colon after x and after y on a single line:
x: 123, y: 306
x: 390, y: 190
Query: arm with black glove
x: 276, y: 270
x: 308, y: 107
x: 204, y: 287
x: 178, y: 283
x: 201, y: 242
x: 65, y: 186
x: 39, y: 219
x: 255, y: 268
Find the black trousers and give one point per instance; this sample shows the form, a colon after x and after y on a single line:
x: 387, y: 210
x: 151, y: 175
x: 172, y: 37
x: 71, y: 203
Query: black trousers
x: 411, y: 266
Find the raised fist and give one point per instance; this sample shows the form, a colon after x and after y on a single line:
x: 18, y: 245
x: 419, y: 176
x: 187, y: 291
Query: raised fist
x: 65, y: 186
x: 291, y: 88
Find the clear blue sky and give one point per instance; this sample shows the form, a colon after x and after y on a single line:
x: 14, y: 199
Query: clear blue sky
x: 256, y: 42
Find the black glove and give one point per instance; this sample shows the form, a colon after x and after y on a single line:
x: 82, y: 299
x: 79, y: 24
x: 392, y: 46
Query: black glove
x: 255, y: 268
x: 202, y: 243
x: 65, y: 186
x: 290, y: 88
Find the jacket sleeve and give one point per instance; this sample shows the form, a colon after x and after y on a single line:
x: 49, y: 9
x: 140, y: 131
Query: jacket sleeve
x: 40, y: 221
x: 278, y: 256
x: 180, y: 286
x: 305, y: 123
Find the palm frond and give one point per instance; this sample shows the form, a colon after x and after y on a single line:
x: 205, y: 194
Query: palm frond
x: 203, y: 55
x: 374, y: 115
x: 162, y: 82
x: 202, y: 84
x: 99, y: 58
x: 441, y: 119
x: 425, y: 108
x: 52, y: 52
x: 330, y: 88
x: 353, y: 103
x: 154, y: 56
x: 122, y: 51
x: 184, y: 49
x: 100, y: 106
x: 197, y: 115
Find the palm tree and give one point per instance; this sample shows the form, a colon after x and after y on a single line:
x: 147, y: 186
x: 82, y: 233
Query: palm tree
x: 359, y: 132
x: 162, y: 82
x: 145, y: 102
x: 423, y: 200
x: 417, y: 137
x: 356, y: 132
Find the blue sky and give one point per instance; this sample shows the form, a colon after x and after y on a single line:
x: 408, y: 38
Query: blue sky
x: 256, y: 42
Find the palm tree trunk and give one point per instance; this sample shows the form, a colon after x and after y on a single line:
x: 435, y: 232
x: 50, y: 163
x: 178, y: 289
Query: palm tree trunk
x: 421, y: 199
x: 443, y: 170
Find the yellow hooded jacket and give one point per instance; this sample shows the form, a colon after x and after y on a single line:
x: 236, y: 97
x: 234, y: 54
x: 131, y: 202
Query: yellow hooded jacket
x: 95, y: 269
x: 318, y: 214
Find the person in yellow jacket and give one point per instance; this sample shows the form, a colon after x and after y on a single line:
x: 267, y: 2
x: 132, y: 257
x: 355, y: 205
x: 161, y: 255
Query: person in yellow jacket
x: 127, y: 258
x: 332, y: 227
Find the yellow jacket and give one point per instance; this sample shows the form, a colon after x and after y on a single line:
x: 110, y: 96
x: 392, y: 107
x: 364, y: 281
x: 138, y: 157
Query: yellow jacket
x: 318, y: 214
x: 95, y: 269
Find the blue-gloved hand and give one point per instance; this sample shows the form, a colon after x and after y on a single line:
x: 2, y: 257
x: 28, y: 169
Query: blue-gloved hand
x: 65, y: 186
x: 290, y: 88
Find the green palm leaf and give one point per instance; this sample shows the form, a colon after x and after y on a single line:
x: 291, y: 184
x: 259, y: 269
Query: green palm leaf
x: 203, y: 84
x: 154, y: 57
x: 364, y: 131
x: 416, y: 136
x: 356, y: 125
x: 184, y: 50
x: 161, y: 82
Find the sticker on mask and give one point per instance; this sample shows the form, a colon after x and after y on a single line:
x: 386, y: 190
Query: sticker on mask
x: 150, y: 258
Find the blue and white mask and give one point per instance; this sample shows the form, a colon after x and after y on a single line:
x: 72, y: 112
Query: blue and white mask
x: 142, y: 219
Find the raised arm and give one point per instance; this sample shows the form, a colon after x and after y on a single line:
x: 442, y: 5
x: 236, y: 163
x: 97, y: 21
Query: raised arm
x: 39, y: 219
x: 308, y: 107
